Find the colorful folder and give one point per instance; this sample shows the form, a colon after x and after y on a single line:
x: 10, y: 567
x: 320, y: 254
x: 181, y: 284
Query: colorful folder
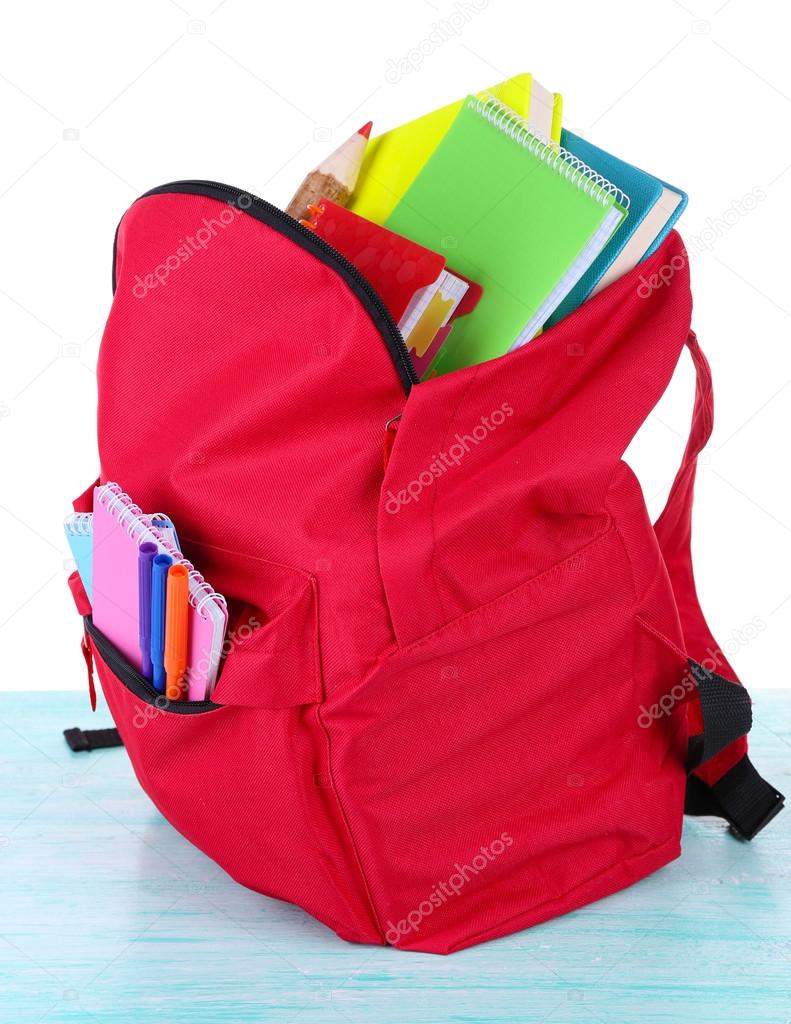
x: 393, y: 160
x: 395, y: 266
x: 422, y: 295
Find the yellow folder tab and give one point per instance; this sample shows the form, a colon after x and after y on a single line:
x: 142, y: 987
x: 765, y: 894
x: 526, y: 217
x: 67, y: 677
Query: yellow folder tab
x: 393, y: 160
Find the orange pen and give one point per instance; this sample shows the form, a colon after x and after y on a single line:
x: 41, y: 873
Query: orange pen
x: 176, y: 625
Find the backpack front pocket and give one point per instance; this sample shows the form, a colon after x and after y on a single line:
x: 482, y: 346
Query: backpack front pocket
x: 120, y: 668
x: 495, y: 770
x: 244, y: 775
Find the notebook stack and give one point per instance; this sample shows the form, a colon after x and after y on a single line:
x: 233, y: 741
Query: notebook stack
x: 147, y: 599
x: 508, y: 221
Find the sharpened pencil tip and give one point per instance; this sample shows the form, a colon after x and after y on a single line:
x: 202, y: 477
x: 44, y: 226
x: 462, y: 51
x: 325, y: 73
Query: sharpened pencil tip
x: 365, y: 131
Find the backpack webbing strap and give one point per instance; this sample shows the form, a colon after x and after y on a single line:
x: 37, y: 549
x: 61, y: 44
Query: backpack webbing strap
x: 727, y: 714
x: 740, y: 796
x: 92, y: 739
x: 724, y: 782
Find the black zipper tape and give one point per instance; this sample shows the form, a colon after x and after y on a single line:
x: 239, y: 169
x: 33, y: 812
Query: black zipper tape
x: 137, y: 683
x: 286, y: 225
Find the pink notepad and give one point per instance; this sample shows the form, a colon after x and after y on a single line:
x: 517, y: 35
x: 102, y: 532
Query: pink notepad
x: 119, y: 528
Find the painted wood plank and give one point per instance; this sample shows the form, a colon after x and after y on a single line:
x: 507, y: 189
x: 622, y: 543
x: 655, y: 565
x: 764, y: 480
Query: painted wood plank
x: 107, y: 914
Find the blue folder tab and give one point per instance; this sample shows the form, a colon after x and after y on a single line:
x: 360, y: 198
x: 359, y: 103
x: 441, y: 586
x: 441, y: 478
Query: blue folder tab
x: 654, y: 208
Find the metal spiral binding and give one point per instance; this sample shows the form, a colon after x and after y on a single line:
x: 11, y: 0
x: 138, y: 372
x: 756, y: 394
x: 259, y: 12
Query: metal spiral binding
x: 560, y: 160
x: 140, y: 527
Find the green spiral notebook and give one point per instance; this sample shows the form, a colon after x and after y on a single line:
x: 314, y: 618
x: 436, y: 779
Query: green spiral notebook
x: 516, y: 213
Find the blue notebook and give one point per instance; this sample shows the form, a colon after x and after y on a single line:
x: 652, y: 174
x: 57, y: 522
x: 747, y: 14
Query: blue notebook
x: 654, y: 208
x: 79, y: 534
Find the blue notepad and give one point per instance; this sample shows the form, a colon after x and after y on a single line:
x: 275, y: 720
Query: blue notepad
x: 79, y: 534
x: 654, y: 208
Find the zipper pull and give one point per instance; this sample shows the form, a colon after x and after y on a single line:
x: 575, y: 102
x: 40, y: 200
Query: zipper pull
x: 391, y: 429
x: 86, y: 653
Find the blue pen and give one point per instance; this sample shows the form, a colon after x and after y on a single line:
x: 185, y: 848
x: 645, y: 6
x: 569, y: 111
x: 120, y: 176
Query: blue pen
x: 145, y: 556
x: 159, y: 583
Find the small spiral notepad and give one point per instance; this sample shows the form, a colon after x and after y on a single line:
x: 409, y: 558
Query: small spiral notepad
x: 119, y: 528
x: 513, y: 211
x: 79, y: 532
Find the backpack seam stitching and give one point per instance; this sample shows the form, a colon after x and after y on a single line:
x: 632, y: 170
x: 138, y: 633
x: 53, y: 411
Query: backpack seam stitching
x: 509, y: 594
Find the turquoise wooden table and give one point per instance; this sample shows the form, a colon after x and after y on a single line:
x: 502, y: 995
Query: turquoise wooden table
x: 107, y: 914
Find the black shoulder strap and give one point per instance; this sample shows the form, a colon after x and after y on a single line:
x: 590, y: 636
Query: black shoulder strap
x: 740, y: 796
x: 92, y: 739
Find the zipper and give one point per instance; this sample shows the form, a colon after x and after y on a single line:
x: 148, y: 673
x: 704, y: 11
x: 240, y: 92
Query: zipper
x: 88, y: 656
x: 136, y: 682
x: 391, y: 429
x: 287, y: 225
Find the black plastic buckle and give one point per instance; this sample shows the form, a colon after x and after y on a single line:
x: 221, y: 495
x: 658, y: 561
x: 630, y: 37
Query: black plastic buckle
x: 749, y: 830
x: 77, y: 740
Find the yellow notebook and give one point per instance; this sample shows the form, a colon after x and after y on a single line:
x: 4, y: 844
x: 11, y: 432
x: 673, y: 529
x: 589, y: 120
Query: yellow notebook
x: 393, y: 160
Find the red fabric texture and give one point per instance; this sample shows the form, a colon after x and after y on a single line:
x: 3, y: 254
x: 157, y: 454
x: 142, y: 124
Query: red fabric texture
x: 433, y: 735
x: 79, y: 594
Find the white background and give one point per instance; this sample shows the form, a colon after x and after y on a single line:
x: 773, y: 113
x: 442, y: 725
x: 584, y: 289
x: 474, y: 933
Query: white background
x: 101, y: 101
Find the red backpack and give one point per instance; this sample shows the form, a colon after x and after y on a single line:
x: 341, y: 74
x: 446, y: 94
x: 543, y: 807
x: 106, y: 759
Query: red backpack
x: 468, y: 684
